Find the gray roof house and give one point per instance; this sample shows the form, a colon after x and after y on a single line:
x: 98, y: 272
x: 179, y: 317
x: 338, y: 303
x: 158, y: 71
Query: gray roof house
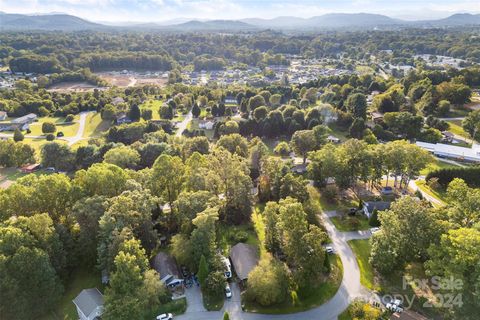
x: 167, y: 268
x: 244, y: 258
x: 89, y: 304
x: 368, y: 207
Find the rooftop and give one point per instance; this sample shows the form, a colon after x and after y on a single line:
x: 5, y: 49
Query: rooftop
x: 88, y: 300
x: 244, y: 258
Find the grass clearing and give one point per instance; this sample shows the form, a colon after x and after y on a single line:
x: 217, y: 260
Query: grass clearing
x: 68, y: 129
x: 435, y: 165
x: 228, y: 236
x: 95, y: 126
x: 455, y: 127
x: 440, y: 195
x: 308, y: 298
x: 350, y: 223
x: 362, y: 249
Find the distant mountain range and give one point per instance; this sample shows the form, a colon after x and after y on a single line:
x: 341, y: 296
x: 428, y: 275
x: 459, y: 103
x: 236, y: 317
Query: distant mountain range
x: 328, y: 21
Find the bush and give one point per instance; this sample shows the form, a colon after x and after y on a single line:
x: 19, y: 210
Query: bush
x: 49, y: 127
x: 353, y: 223
x: 434, y: 184
x: 330, y: 193
x: 69, y: 118
x: 50, y: 137
x: 239, y: 236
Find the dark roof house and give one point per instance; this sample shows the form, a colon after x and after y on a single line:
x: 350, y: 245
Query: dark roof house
x: 368, y: 207
x: 89, y: 304
x: 166, y: 266
x: 244, y: 258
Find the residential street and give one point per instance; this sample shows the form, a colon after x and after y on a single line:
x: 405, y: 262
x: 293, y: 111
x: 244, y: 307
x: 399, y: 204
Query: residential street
x: 349, y: 289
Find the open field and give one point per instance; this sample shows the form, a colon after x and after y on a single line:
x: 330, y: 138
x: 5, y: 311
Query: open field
x: 95, y: 126
x: 131, y: 79
x: 73, y: 86
x: 68, y: 129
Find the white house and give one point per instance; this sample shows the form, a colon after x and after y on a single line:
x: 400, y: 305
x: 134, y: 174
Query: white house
x: 207, y: 125
x: 89, y: 304
x: 453, y: 152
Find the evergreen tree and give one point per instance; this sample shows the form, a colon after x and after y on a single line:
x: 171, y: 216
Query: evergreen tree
x: 326, y: 263
x: 202, y: 271
x: 18, y: 135
x: 134, y: 113
x: 373, y: 221
x: 196, y: 111
x: 226, y: 316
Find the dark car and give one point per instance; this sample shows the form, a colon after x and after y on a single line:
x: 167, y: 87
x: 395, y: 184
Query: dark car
x: 60, y: 134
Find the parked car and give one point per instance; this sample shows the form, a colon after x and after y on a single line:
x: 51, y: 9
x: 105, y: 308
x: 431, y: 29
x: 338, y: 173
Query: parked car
x: 387, y: 190
x: 60, y: 134
x: 50, y: 169
x: 374, y: 230
x: 329, y: 250
x: 165, y: 316
x: 352, y: 211
x: 395, y: 306
x: 228, y: 291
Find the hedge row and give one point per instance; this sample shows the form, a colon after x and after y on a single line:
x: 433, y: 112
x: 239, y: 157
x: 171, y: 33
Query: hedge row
x: 471, y: 175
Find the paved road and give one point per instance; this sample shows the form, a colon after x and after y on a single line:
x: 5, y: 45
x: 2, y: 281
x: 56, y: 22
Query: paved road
x: 412, y: 184
x: 81, y: 129
x: 350, y: 288
x: 181, y: 126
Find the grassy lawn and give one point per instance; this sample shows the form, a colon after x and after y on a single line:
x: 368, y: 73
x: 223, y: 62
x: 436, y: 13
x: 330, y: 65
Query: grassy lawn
x: 456, y: 128
x: 79, y: 280
x: 95, y: 126
x: 212, y: 303
x: 68, y: 129
x: 153, y: 105
x: 347, y: 223
x: 193, y: 125
x: 228, y: 236
x: 361, y: 248
x: 436, y: 164
x: 440, y: 195
x: 308, y: 298
x: 338, y: 132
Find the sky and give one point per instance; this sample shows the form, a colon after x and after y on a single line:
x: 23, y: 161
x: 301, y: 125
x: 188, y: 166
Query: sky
x: 167, y: 10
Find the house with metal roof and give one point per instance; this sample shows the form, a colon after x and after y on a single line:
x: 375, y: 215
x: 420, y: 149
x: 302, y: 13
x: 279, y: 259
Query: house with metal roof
x: 370, y: 206
x: 452, y: 152
x: 89, y: 304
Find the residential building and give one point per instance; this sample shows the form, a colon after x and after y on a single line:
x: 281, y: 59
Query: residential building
x: 89, y: 304
x: 3, y: 115
x: 167, y: 268
x: 244, y: 258
x: 370, y: 206
x: 207, y: 125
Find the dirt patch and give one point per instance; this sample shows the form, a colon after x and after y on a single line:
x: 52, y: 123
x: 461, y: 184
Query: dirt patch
x: 132, y: 79
x: 73, y: 86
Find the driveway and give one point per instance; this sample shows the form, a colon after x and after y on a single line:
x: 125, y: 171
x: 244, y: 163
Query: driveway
x: 81, y: 129
x: 181, y: 126
x: 349, y: 290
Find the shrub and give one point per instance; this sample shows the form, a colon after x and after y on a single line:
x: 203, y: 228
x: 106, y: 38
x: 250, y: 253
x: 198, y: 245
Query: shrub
x: 50, y: 137
x: 69, y: 118
x: 353, y: 223
x: 434, y: 184
x: 330, y: 193
x: 49, y: 127
x: 239, y: 236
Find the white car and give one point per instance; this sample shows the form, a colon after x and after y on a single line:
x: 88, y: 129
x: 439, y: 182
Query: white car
x: 374, y: 230
x: 329, y: 250
x: 165, y: 316
x: 395, y: 306
x: 228, y: 291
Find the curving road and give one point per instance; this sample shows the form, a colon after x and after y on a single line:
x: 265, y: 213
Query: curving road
x: 350, y: 287
x: 81, y: 129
